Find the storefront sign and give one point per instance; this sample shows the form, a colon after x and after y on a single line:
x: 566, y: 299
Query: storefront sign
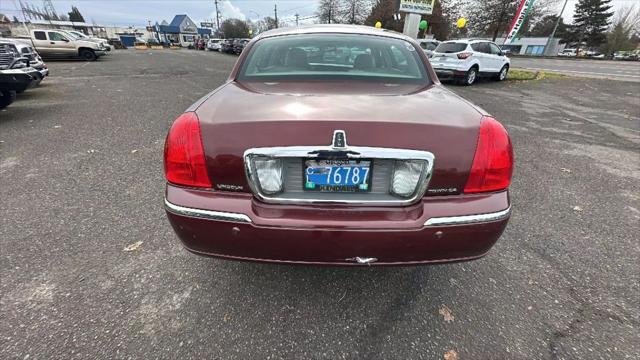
x: 417, y: 6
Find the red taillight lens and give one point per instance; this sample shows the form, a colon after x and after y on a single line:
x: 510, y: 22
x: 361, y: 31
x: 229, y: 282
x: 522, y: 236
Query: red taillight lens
x: 184, y: 162
x: 493, y: 162
x: 464, y: 55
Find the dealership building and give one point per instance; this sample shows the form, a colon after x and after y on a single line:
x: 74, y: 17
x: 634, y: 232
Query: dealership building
x: 182, y: 30
x: 532, y: 46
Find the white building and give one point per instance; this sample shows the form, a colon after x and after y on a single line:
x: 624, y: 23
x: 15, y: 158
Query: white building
x: 532, y: 46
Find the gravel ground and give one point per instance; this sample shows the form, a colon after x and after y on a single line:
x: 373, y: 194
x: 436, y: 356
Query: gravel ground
x: 81, y: 179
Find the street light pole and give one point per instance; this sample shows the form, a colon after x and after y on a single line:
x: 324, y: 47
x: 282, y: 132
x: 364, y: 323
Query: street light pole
x: 217, y: 16
x: 555, y: 27
x: 275, y: 12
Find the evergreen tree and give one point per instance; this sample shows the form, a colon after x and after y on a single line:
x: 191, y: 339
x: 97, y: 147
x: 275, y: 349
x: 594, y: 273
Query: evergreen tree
x: 621, y: 36
x: 591, y: 20
x: 235, y: 28
x: 75, y: 16
x: 383, y: 11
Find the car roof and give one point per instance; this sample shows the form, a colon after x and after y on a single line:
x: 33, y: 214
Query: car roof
x: 332, y: 28
x: 18, y: 44
x: 468, y: 41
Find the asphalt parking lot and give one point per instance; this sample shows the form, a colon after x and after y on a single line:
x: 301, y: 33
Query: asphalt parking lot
x: 81, y: 180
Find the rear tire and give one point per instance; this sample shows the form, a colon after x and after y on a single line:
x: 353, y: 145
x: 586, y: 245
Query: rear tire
x: 6, y: 98
x: 88, y: 55
x: 502, y: 75
x: 470, y: 77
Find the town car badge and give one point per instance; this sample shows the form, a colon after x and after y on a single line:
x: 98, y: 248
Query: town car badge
x: 339, y: 139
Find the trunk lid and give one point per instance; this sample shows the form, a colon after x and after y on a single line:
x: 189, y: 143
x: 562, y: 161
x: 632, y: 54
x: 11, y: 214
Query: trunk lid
x: 237, y: 117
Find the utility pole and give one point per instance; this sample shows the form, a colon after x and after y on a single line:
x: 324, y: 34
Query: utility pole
x: 275, y: 12
x: 330, y: 8
x: 217, y: 16
x: 297, y: 17
x: 553, y: 33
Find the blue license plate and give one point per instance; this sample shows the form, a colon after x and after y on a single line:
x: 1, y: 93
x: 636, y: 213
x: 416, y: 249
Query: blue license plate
x: 337, y: 175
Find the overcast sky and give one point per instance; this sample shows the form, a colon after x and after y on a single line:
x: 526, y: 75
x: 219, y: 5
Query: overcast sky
x: 138, y: 12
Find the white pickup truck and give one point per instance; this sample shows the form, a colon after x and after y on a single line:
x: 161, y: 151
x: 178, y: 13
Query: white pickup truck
x: 59, y: 44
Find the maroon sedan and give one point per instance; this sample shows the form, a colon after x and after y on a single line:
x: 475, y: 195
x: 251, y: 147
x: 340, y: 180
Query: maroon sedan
x: 337, y: 145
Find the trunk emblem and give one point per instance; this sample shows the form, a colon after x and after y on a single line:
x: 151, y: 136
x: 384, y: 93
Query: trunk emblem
x: 339, y: 139
x: 363, y: 260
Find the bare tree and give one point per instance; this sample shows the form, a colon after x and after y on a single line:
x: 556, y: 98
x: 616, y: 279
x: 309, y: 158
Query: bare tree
x: 355, y: 11
x: 329, y: 11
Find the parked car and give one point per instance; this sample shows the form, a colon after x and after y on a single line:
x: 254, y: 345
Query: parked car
x: 428, y: 45
x: 238, y: 45
x: 227, y: 46
x: 568, y: 53
x: 80, y: 36
x: 59, y: 44
x: 627, y: 55
x: 370, y: 162
x: 15, y: 73
x: 116, y: 44
x: 28, y: 52
x: 466, y: 60
x: 214, y: 44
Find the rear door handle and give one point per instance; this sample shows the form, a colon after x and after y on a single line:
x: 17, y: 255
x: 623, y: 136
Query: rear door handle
x: 53, y: 42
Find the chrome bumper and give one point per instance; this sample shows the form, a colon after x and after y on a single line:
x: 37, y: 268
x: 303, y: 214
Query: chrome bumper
x: 469, y: 219
x: 205, y: 214
x: 243, y: 218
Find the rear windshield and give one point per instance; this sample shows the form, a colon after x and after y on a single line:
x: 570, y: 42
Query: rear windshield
x: 333, y: 57
x: 451, y: 47
x: 428, y: 45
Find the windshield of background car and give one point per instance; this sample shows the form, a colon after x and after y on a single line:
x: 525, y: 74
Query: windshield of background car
x: 428, y: 45
x: 333, y: 57
x: 448, y: 48
x: 72, y: 35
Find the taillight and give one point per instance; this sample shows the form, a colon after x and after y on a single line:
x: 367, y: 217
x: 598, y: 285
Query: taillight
x: 493, y: 162
x: 464, y: 55
x: 184, y: 162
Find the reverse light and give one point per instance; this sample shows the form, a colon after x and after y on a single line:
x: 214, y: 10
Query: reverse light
x: 464, y: 55
x: 269, y: 173
x: 493, y: 162
x: 184, y: 161
x: 406, y: 176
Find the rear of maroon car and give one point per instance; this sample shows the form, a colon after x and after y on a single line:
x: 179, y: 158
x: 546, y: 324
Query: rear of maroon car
x: 335, y: 172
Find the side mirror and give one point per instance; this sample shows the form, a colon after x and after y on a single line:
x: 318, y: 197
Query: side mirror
x: 65, y: 39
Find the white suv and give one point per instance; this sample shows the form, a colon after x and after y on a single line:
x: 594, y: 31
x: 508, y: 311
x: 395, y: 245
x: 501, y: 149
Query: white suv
x: 214, y: 44
x: 468, y: 59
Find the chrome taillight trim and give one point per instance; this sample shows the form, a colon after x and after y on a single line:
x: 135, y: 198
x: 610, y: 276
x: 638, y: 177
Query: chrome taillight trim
x: 205, y: 214
x: 351, y: 152
x: 469, y: 219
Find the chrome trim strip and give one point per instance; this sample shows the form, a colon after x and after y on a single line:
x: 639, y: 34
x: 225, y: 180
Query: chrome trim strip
x: 206, y: 214
x: 468, y: 219
x: 352, y: 152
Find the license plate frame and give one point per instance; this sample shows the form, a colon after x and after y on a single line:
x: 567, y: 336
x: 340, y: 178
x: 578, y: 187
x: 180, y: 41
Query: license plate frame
x: 333, y: 188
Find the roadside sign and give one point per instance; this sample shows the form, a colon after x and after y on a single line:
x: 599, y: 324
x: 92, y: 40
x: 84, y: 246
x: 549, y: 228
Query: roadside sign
x: 417, y: 6
x: 206, y: 24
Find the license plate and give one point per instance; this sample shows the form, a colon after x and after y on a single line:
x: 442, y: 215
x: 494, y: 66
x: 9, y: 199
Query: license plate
x: 337, y: 175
